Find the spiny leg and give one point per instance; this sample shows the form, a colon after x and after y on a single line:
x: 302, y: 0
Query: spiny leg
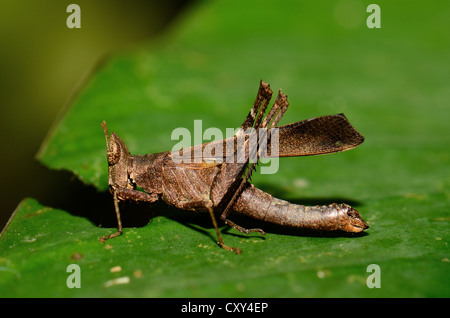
x: 257, y: 111
x: 277, y: 111
x: 279, y: 108
x: 230, y: 171
x: 253, y: 119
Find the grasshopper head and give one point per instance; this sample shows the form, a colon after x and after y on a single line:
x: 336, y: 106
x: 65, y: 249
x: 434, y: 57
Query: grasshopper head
x: 118, y: 157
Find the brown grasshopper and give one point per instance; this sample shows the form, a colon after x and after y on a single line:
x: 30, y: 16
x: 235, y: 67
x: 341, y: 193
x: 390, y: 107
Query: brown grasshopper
x: 211, y: 184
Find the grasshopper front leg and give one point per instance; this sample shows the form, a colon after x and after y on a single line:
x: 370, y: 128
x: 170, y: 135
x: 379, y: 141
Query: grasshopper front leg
x: 126, y: 194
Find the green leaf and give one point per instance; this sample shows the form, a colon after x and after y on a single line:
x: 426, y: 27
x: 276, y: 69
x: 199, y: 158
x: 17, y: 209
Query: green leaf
x: 392, y: 85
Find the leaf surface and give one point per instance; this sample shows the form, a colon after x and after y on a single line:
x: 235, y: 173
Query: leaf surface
x: 392, y: 84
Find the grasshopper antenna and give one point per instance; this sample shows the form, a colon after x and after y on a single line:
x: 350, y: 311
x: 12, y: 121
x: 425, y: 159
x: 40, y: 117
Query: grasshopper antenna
x: 105, y: 131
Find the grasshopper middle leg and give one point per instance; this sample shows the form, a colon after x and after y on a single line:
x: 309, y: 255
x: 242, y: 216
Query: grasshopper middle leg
x: 208, y: 204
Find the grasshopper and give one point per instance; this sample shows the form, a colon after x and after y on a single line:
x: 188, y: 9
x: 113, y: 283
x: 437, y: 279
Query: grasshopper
x: 216, y: 183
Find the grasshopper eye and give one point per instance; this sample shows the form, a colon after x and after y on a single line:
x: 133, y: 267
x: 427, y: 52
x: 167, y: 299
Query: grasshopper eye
x: 113, y: 153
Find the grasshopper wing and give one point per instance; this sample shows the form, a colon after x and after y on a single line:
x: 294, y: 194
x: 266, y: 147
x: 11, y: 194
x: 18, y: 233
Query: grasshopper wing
x: 316, y: 136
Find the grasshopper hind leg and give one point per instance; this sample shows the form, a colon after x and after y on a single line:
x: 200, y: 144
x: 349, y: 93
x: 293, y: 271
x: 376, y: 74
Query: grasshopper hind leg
x: 241, y: 229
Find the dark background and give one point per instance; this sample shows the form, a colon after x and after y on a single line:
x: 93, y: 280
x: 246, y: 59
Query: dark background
x: 42, y: 62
